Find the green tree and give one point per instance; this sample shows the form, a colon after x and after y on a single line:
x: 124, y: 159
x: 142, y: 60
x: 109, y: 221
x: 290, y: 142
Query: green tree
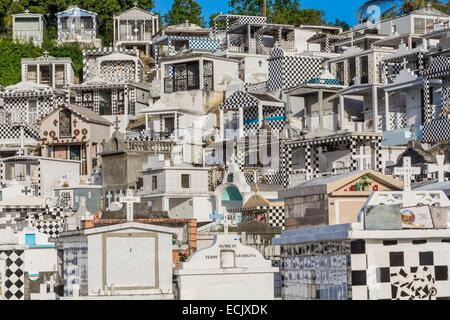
x: 285, y: 11
x: 183, y: 10
x: 11, y: 55
x: 104, y: 8
x: 246, y: 7
x: 340, y: 23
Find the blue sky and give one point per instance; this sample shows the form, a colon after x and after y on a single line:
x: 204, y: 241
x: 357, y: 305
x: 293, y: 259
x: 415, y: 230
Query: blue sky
x: 342, y: 9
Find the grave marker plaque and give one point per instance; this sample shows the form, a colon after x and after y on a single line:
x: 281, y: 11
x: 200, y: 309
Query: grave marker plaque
x: 383, y: 217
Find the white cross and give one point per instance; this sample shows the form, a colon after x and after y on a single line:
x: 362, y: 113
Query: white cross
x: 51, y: 283
x: 130, y: 200
x: 441, y: 168
x: 407, y: 172
x: 109, y: 196
x: 361, y: 158
x: 20, y: 152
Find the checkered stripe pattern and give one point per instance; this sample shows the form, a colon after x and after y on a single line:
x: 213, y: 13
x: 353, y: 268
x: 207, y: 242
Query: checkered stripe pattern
x: 119, y: 71
x: 439, y: 67
x: 286, y: 162
x: 13, y: 132
x: 276, y: 216
x: 289, y: 71
x: 90, y: 58
x: 437, y: 130
x: 445, y: 96
x: 243, y: 20
x: 239, y: 99
x: 298, y: 70
x: 429, y: 111
x: 14, y: 273
x: 251, y: 122
x: 52, y: 228
x: 399, y: 273
x: 276, y: 70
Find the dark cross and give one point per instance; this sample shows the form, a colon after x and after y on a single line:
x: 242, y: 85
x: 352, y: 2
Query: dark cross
x: 117, y: 121
x: 26, y: 191
x: 260, y: 63
x: 21, y: 177
x: 75, y: 123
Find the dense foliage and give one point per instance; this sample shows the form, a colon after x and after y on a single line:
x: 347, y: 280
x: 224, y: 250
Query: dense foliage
x: 184, y: 10
x: 11, y: 54
x: 104, y: 8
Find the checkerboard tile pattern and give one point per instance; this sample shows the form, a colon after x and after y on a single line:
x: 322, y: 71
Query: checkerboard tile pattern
x: 288, y: 71
x: 14, y: 274
x: 399, y: 272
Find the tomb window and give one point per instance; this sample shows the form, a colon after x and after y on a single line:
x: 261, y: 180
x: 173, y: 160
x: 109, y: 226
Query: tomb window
x: 351, y: 71
x: 154, y: 182
x: 185, y: 181
x: 65, y: 123
x: 364, y: 70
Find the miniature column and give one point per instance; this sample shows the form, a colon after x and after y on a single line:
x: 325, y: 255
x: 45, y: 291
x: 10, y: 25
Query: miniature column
x: 221, y: 124
x: 89, y: 158
x: 341, y: 111
x: 241, y: 122
x: 38, y: 73
x: 165, y: 204
x: 53, y: 75
x: 386, y: 111
x: 260, y: 114
x: 375, y: 108
x: 320, y: 93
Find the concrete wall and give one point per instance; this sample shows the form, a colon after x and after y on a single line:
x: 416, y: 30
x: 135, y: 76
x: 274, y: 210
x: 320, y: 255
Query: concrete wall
x: 139, y: 265
x: 52, y: 172
x: 244, y: 286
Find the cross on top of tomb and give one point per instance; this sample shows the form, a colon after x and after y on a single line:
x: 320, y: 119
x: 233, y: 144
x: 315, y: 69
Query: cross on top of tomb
x: 46, y: 53
x: 441, y: 168
x: 130, y: 200
x: 361, y: 158
x: 20, y: 152
x: 116, y: 122
x: 408, y: 172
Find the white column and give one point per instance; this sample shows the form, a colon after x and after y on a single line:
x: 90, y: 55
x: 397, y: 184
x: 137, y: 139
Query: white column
x: 386, y: 111
x: 320, y: 93
x: 38, y: 72
x: 165, y: 204
x: 125, y: 102
x: 241, y: 122
x: 375, y: 107
x: 341, y: 111
x: 221, y: 124
x: 89, y: 158
x: 201, y: 82
x: 53, y: 75
x: 260, y: 114
x: 115, y: 32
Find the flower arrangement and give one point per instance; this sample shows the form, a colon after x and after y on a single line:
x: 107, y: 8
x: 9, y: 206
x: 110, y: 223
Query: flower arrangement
x: 365, y: 183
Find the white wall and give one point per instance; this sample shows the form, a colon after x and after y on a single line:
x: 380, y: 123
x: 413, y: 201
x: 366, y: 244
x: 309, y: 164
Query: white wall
x: 52, y: 172
x: 141, y: 263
